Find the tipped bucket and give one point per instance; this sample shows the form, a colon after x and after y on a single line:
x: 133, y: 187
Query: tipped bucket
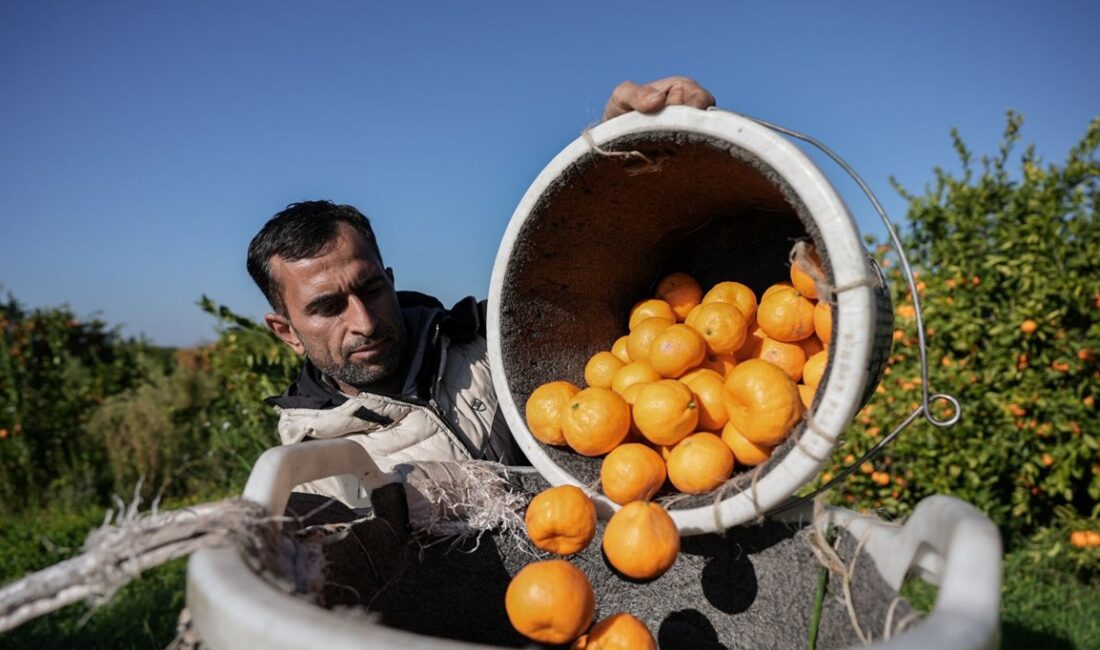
x: 707, y: 192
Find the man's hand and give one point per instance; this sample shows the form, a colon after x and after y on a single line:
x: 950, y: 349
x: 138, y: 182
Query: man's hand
x: 655, y: 95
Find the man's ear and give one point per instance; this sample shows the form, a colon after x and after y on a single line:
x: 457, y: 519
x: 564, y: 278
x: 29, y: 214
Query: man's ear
x: 280, y: 325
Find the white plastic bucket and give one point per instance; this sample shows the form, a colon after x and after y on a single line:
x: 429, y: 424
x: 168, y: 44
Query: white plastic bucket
x: 714, y: 194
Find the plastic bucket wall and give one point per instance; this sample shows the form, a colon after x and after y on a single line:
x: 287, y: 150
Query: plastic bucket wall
x: 719, y: 197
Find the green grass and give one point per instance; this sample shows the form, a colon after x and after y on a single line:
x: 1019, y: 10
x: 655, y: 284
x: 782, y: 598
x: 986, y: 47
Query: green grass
x: 1044, y: 605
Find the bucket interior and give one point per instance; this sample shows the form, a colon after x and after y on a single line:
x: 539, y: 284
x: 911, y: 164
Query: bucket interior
x: 607, y: 229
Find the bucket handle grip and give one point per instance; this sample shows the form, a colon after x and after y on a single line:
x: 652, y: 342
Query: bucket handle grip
x: 927, y: 397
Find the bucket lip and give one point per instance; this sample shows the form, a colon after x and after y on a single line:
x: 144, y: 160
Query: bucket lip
x: 853, y: 329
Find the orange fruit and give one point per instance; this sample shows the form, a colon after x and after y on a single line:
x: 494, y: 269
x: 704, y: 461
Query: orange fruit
x: 681, y: 292
x: 750, y: 349
x: 677, y: 349
x: 708, y: 387
x: 722, y: 325
x: 719, y: 363
x: 1092, y: 538
x: 1078, y: 538
x: 619, y: 349
x: 595, y: 421
x: 814, y: 369
x: 736, y: 294
x: 807, y: 394
x: 601, y: 368
x: 775, y: 287
x: 762, y: 401
x: 642, y: 335
x: 700, y: 463
x: 641, y: 540
x: 1029, y: 326
x: 635, y: 373
x: 561, y: 520
x: 650, y: 308
x: 806, y: 271
x: 744, y: 452
x: 544, y: 410
x: 823, y: 322
x: 550, y: 602
x: 632, y: 472
x: 811, y: 345
x: 791, y: 357
x: 785, y: 315
x: 665, y: 411
x: 620, y: 631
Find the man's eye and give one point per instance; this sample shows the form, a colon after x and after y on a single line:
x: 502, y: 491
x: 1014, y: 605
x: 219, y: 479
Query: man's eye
x: 330, y: 308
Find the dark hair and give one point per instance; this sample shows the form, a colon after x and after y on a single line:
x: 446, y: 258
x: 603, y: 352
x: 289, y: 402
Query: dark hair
x: 301, y: 231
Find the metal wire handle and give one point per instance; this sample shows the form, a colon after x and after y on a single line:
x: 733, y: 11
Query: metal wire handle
x: 926, y: 397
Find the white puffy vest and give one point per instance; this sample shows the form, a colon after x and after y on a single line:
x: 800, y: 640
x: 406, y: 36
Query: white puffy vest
x: 456, y: 424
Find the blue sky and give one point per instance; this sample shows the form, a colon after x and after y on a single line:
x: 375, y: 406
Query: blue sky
x: 142, y: 144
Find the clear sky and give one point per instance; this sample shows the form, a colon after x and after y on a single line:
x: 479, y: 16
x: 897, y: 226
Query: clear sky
x: 142, y: 144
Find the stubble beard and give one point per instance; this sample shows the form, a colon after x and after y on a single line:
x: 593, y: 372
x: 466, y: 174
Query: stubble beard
x: 364, y: 375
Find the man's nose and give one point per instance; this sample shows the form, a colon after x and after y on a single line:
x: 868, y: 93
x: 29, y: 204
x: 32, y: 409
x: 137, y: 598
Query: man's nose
x: 360, y: 320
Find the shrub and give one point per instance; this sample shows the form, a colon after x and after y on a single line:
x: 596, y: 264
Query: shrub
x: 1008, y: 269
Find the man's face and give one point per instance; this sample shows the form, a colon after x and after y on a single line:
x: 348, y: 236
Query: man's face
x: 342, y: 313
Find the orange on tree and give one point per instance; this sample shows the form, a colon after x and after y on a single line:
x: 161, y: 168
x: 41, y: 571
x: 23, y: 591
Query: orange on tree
x: 595, y: 421
x: 620, y: 631
x: 790, y: 357
x: 601, y: 368
x: 676, y: 349
x: 736, y: 294
x: 550, y: 602
x: 665, y: 411
x: 642, y: 335
x: 823, y: 322
x: 722, y: 325
x: 641, y: 540
x: 632, y: 472
x: 633, y: 375
x: 806, y: 272
x: 545, y: 408
x: 650, y: 308
x: 708, y: 387
x: 1092, y: 538
x: 619, y: 349
x: 744, y: 452
x: 700, y: 463
x: 814, y: 369
x: 786, y: 315
x: 561, y: 520
x: 681, y: 292
x: 1078, y: 538
x: 762, y: 401
x: 1029, y: 326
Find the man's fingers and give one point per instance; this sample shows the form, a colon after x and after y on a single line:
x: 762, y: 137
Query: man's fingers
x: 652, y: 97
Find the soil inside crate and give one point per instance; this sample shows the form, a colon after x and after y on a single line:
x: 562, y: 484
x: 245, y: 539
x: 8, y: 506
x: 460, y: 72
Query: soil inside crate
x: 752, y: 586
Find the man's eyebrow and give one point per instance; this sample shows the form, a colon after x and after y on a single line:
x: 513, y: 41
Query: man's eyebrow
x: 322, y: 301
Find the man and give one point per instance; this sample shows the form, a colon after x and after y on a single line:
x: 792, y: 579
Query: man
x: 394, y: 371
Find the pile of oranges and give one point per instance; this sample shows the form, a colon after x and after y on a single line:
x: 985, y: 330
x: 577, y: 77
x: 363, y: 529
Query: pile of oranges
x: 702, y: 383
x: 552, y: 601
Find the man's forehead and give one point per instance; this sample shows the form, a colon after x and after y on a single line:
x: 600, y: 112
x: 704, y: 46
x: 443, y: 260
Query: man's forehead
x: 347, y: 257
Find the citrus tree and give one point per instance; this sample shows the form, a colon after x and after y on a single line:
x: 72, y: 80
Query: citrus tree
x: 1007, y: 256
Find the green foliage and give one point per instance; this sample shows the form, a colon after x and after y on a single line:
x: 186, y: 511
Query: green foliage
x: 249, y: 364
x: 55, y: 370
x: 142, y: 615
x: 993, y: 251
